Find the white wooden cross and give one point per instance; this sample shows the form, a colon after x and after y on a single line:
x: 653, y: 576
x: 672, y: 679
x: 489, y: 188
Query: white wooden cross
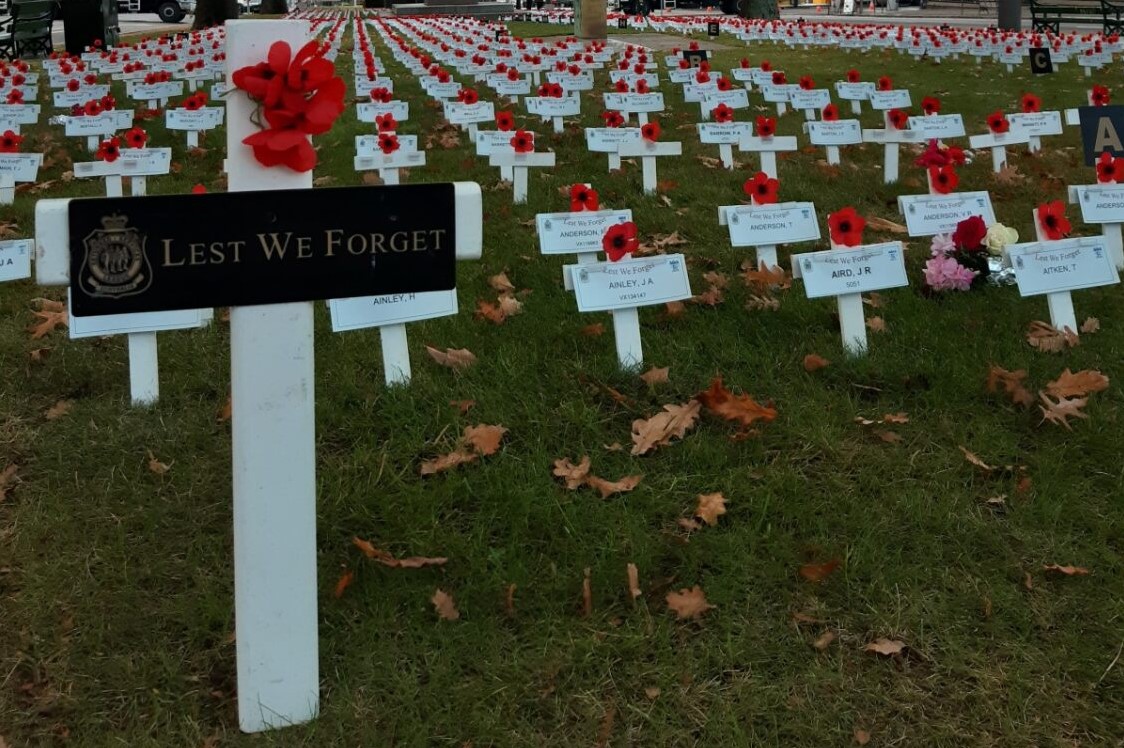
x: 370, y: 158
x: 764, y: 227
x: 892, y: 140
x: 519, y: 164
x: 193, y: 121
x: 273, y: 432
x: 14, y: 168
x: 833, y: 134
x: 726, y: 135
x: 998, y: 142
x: 648, y: 151
x: 96, y: 127
x: 768, y: 147
x: 608, y: 140
x: 1103, y: 204
x: 1036, y: 125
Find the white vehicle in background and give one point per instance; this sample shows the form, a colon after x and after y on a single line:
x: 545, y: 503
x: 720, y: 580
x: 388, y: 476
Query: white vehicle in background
x: 170, y: 11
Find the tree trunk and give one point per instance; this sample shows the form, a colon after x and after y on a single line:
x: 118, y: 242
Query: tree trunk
x: 214, y: 12
x: 758, y: 9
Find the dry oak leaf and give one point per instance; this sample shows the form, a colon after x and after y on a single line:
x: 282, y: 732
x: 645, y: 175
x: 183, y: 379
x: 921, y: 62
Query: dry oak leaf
x: 674, y: 309
x: 1061, y: 411
x: 448, y: 462
x: 501, y: 283
x: 633, y: 581
x: 711, y: 297
x: 384, y: 558
x: 862, y: 737
x: 8, y: 480
x: 765, y: 278
x: 608, y: 488
x: 688, y: 603
x: 762, y: 304
x: 874, y: 223
x: 344, y: 582
x: 484, y: 439
x: 824, y: 641
x: 1069, y: 571
x: 574, y: 475
x: 454, y: 358
x: 59, y: 409
x: 655, y: 376
x: 48, y: 321
x: 595, y: 330
x: 488, y: 311
x: 510, y: 305
x: 819, y: 572
x: 814, y: 362
x: 160, y: 468
x: 1084, y: 382
x: 49, y: 305
x: 876, y: 324
x: 1049, y: 339
x: 1012, y: 384
x: 890, y: 437
x: 445, y: 606
x: 1091, y: 325
x: 658, y: 431
x: 1009, y: 175
x: 741, y: 409
x: 711, y: 507
x: 716, y: 279
x: 895, y: 418
x: 886, y: 647
x: 972, y: 458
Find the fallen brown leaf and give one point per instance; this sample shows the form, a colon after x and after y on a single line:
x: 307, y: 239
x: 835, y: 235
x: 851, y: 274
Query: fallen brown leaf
x: 445, y: 606
x: 573, y: 475
x: 741, y: 409
x: 501, y: 283
x: 48, y: 321
x: 1048, y: 339
x: 824, y: 641
x: 1069, y: 571
x: 595, y: 330
x: 8, y: 481
x: 633, y: 581
x: 1091, y: 325
x: 658, y: 431
x: 1084, y: 382
x: 876, y: 324
x: 972, y: 458
x: 688, y: 603
x: 59, y: 409
x: 862, y: 737
x: 711, y: 506
x: 587, y: 593
x: 160, y: 468
x: 876, y: 223
x: 509, y: 601
x: 814, y: 362
x: 655, y: 376
x: 1059, y: 412
x: 386, y: 559
x: 885, y: 647
x: 454, y: 358
x: 344, y: 582
x: 608, y: 488
x: 1012, y: 384
x: 484, y: 439
x: 819, y: 572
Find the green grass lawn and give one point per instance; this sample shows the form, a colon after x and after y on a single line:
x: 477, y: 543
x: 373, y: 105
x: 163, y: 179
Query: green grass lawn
x: 116, y: 594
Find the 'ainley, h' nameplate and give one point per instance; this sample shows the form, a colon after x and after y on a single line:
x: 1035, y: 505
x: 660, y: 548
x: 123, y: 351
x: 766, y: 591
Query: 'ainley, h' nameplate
x: 160, y: 253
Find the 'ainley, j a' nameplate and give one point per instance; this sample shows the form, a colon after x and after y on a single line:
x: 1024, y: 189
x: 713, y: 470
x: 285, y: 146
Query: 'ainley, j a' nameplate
x: 160, y: 253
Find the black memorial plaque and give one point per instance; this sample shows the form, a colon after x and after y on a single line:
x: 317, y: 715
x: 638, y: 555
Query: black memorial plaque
x: 149, y: 254
x: 695, y: 57
x: 622, y: 23
x: 712, y: 28
x: 1040, y: 61
x: 1102, y: 130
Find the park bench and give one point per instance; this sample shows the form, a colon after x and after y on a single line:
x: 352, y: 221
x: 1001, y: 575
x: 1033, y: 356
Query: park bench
x: 1049, y: 17
x: 28, y: 31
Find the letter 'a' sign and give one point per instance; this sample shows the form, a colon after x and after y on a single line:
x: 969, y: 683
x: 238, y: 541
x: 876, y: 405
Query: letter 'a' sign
x: 166, y: 252
x: 1040, y: 61
x: 1102, y: 129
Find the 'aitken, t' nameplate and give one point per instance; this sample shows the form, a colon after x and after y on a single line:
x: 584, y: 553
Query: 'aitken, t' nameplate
x: 148, y: 254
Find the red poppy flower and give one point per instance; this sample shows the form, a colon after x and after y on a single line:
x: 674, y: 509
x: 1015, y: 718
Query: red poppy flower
x: 108, y: 103
x: 92, y: 108
x: 898, y: 119
x: 779, y: 78
x: 109, y: 149
x: 1030, y: 103
x: 853, y: 76
x: 766, y: 65
x: 10, y: 142
x: 830, y: 113
x: 504, y: 121
x: 766, y: 127
x: 512, y: 74
x: 198, y: 190
x: 621, y: 86
x: 744, y: 63
x: 806, y: 83
x: 386, y: 122
x: 997, y: 123
x: 931, y: 105
x: 885, y: 84
x: 583, y: 198
x: 620, y: 240
x: 612, y: 119
x: 1052, y: 220
x: 650, y: 131
x: 136, y: 137
x: 73, y: 84
x: 702, y: 77
x: 642, y: 86
x: 282, y: 147
x: 523, y: 142
x: 1110, y: 169
x: 639, y: 68
x: 722, y: 113
x: 381, y: 95
x: 15, y: 96
x: 846, y: 227
x: 943, y: 179
x: 762, y: 188
x: 969, y: 234
x: 724, y: 83
x: 468, y: 96
x: 388, y: 143
x: 90, y: 79
x: 283, y: 72
x: 683, y: 64
x: 1099, y: 96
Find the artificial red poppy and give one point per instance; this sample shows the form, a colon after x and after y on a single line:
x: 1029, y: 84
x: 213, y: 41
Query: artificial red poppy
x: 198, y: 190
x: 779, y: 78
x: 15, y: 96
x: 639, y: 69
x: 108, y: 103
x: 642, y: 86
x: 92, y: 108
x: 1052, y: 220
x: 468, y: 96
x: 109, y: 149
x: 931, y: 105
x: 885, y: 83
x: 621, y: 86
x: 381, y: 95
x: 10, y: 142
x: 512, y: 74
x: 702, y: 76
x: 744, y: 63
x: 846, y: 227
x: 766, y: 65
x: 583, y: 198
x: 765, y: 127
x: 504, y: 121
x: 73, y: 84
x: 1099, y: 96
x: 386, y: 122
x: 523, y: 141
x: 388, y: 142
x: 969, y: 234
x: 806, y: 83
x: 612, y: 118
x: 830, y: 113
x: 287, y: 147
x: 1030, y: 103
x: 762, y: 188
x: 898, y: 119
x: 997, y: 123
x: 722, y: 113
x: 136, y: 137
x: 724, y: 83
x: 650, y: 131
x: 620, y: 240
x: 683, y: 64
x: 853, y: 76
x: 1110, y: 169
x: 943, y: 179
x: 90, y: 79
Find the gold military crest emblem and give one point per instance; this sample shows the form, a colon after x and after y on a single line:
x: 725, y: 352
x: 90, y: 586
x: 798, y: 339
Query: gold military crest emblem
x: 115, y: 264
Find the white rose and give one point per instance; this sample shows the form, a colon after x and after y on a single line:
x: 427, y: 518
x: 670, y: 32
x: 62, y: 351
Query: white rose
x: 999, y: 236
